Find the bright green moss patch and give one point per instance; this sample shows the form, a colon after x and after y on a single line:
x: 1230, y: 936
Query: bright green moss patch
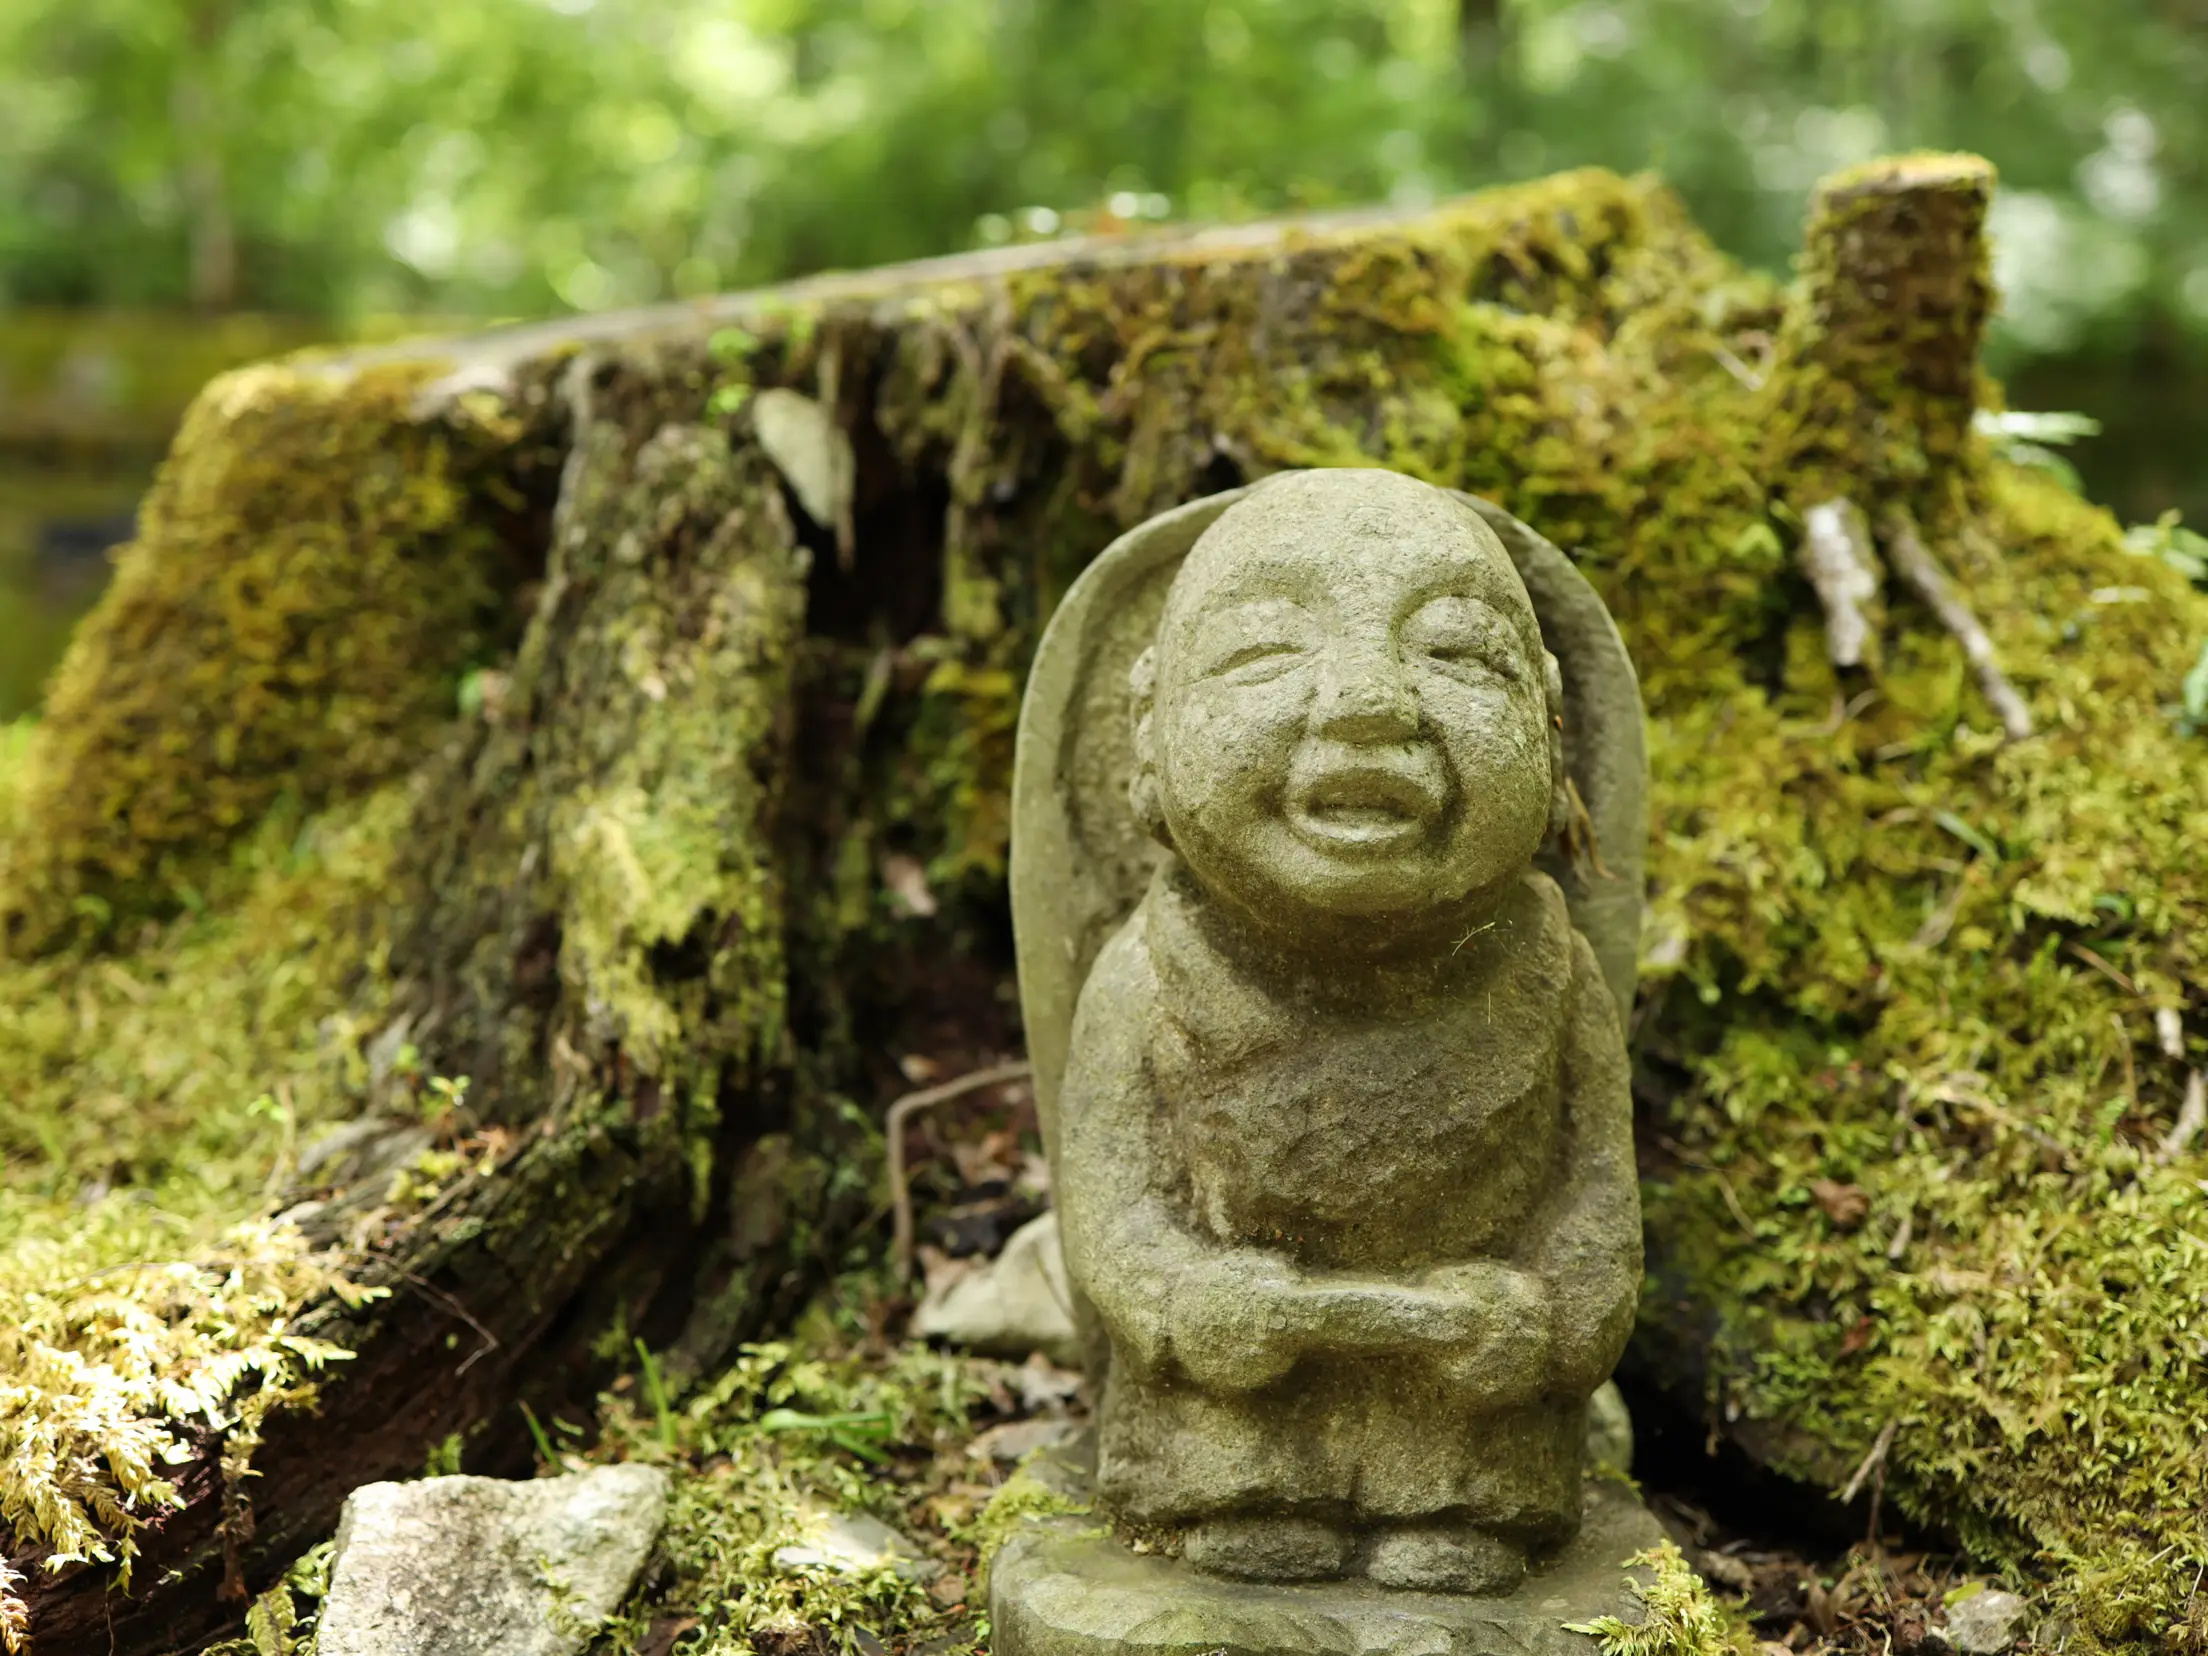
x: 15, y: 741
x: 1680, y: 1616
x: 114, y: 1348
x: 1879, y: 359
x: 141, y: 1071
x: 1904, y: 961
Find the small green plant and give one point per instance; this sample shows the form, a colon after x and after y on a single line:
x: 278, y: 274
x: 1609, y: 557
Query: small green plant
x: 865, y: 1435
x: 655, y: 1388
x: 2193, y: 699
x: 2184, y: 550
x: 765, y: 1452
x: 545, y: 1453
x: 443, y: 1460
x: 1681, y: 1616
x: 447, y: 1096
x: 2031, y: 440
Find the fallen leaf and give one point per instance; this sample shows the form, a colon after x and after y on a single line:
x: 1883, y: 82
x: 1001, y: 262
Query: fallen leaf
x: 1846, y: 1205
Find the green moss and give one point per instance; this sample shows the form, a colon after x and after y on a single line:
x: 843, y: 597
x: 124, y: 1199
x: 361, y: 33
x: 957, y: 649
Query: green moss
x: 117, y: 1353
x: 312, y: 570
x: 1927, y: 966
x: 155, y: 1101
x: 1878, y: 359
x: 188, y: 1071
x: 782, y: 1440
x: 1680, y: 1616
x: 1019, y: 1500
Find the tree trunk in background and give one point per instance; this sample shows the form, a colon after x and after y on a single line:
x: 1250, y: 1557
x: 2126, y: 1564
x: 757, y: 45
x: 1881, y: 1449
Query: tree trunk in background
x: 738, y: 598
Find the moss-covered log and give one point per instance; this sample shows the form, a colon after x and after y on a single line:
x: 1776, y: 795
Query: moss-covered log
x: 656, y: 786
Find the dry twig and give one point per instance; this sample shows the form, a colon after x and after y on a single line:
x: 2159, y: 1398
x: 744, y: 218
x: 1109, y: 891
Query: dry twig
x: 1872, y: 1462
x: 1914, y: 562
x: 2192, y: 1116
x: 900, y: 1188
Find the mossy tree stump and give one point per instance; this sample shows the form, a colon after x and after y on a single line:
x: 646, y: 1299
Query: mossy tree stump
x: 650, y: 724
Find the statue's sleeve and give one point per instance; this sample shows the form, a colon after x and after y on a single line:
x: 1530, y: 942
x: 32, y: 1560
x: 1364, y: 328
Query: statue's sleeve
x: 1121, y: 1246
x: 1168, y: 1298
x: 1589, y: 1252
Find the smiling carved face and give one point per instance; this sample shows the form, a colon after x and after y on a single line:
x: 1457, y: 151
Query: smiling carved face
x: 1352, y: 710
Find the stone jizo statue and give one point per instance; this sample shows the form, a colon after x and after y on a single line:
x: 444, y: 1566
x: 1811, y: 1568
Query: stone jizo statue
x: 1326, y: 1008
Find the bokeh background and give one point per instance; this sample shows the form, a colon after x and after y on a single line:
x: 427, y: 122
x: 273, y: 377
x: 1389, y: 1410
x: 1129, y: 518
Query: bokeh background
x: 186, y: 184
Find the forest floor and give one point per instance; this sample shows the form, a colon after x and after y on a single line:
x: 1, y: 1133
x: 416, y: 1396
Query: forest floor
x: 1797, y: 1573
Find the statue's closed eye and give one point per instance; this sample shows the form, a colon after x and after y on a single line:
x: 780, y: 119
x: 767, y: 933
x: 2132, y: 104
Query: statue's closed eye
x: 1258, y: 661
x: 1464, y: 638
x: 1254, y: 642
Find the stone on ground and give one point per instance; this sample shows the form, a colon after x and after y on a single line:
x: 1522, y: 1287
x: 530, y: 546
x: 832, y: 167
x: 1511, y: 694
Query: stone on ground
x: 1017, y: 1304
x: 477, y: 1566
x: 1986, y: 1623
x: 852, y: 1544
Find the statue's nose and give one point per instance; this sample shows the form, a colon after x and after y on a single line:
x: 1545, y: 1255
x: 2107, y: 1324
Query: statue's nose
x: 1365, y: 697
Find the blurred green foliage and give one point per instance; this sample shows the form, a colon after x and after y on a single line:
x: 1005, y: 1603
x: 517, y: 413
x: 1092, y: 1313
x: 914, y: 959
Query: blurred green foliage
x: 514, y: 156
x: 338, y: 160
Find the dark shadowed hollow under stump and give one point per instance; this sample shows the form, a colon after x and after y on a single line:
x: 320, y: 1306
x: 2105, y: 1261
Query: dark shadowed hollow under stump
x: 575, y: 759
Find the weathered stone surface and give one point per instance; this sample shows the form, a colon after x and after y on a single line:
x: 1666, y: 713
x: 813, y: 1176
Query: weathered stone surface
x: 1987, y: 1623
x: 477, y: 1566
x: 1061, y: 1588
x: 1018, y: 1303
x: 1343, y: 1158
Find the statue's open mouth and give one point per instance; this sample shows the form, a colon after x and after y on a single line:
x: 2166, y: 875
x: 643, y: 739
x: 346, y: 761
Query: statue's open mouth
x: 1363, y: 808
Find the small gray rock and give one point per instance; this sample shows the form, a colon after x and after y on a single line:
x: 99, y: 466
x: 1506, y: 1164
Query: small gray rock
x: 1986, y: 1623
x: 852, y: 1544
x: 1018, y: 1304
x: 483, y: 1567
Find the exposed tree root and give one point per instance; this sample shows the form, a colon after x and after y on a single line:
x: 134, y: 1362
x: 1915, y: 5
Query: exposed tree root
x: 1914, y: 562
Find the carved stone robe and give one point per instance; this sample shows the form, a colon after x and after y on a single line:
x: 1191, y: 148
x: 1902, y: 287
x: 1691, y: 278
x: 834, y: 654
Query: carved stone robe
x: 1225, y: 1108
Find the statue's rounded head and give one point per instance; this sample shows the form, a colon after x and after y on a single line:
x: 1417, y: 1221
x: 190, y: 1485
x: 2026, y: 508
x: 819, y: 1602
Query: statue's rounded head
x: 1348, y: 722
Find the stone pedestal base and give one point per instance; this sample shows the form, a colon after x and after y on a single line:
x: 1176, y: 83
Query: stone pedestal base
x: 1061, y: 1589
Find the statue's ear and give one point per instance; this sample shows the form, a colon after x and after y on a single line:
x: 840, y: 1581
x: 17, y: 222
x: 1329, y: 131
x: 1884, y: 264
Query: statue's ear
x: 1142, y: 788
x: 1560, y: 784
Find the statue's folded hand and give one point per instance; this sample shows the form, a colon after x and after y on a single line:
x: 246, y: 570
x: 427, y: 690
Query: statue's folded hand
x: 1501, y: 1322
x: 1237, y: 1321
